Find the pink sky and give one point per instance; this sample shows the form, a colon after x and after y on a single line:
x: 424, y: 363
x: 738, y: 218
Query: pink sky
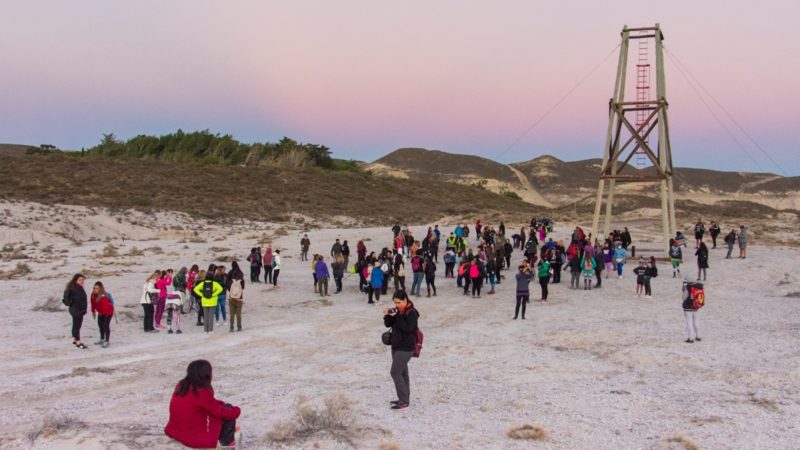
x: 366, y: 77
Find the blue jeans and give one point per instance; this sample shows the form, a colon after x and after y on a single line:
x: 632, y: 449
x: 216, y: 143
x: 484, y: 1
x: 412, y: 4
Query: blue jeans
x: 619, y: 268
x: 415, y: 287
x: 220, y: 305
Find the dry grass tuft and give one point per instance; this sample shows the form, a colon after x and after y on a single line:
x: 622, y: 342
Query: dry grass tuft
x: 134, y: 252
x: 389, y: 446
x: 19, y: 271
x: 52, y: 304
x: 53, y: 425
x: 83, y: 372
x: 336, y: 420
x: 110, y: 251
x: 527, y: 431
x: 687, y: 442
x: 795, y: 294
x: 219, y: 249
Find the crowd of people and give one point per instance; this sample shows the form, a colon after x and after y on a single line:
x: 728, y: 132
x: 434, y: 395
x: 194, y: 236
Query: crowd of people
x: 473, y: 257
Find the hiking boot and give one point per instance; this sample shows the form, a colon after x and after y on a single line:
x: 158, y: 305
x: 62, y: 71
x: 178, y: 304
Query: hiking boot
x: 100, y: 342
x: 697, y: 339
x: 400, y: 405
x: 689, y: 341
x: 105, y: 344
x: 179, y: 332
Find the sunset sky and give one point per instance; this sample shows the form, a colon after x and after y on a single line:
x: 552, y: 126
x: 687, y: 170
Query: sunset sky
x: 367, y: 77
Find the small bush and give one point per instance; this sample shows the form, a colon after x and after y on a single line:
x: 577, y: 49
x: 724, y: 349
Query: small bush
x: 110, y: 251
x: 219, y: 249
x: 21, y: 270
x: 135, y: 252
x: 53, y: 425
x: 687, y: 442
x: 527, y: 432
x: 512, y: 194
x: 335, y: 420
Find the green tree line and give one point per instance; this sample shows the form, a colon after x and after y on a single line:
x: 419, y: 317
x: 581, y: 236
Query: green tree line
x: 207, y: 148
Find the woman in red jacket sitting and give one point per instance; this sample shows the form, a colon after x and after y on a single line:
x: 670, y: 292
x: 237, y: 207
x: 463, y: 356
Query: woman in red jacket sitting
x: 196, y: 418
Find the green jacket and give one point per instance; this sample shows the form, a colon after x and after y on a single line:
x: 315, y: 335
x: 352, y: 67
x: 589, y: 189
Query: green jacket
x: 205, y: 301
x: 544, y: 269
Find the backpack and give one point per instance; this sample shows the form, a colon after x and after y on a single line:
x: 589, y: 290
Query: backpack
x: 401, y: 271
x: 698, y: 228
x: 66, y: 299
x: 208, y: 288
x: 461, y: 269
x: 418, y: 344
x: 236, y: 289
x: 587, y: 264
x: 697, y: 295
x: 415, y: 264
x: 474, y: 271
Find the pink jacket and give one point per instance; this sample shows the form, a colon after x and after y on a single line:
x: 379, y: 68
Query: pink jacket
x: 162, y: 284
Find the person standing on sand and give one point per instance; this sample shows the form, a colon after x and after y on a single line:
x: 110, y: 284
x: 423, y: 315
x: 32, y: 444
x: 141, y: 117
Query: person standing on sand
x: 544, y: 279
x: 403, y: 320
x: 702, y: 260
x: 196, y: 418
x: 676, y: 256
x: 337, y: 268
x: 149, y: 300
x: 235, y: 288
x: 730, y: 239
x: 161, y: 303
x: 322, y: 275
x: 430, y: 275
x: 267, y: 261
x: 305, y: 243
x: 690, y: 313
x: 103, y: 310
x: 346, y: 255
x: 221, y: 277
x: 523, y: 288
x: 743, y: 235
x: 210, y: 297
x: 699, y: 230
x: 276, y: 267
x: 714, y: 230
x: 255, y: 264
x: 620, y: 254
x: 75, y: 299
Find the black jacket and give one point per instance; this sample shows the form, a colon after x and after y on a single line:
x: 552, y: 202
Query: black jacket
x: 404, y: 329
x: 78, y: 304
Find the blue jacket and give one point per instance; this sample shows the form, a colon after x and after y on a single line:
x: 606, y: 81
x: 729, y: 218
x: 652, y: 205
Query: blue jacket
x: 620, y: 253
x: 377, y: 277
x: 321, y: 270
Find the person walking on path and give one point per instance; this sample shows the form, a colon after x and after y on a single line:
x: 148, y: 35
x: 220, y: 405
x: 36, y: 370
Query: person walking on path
x: 403, y: 320
x: 702, y: 260
x: 75, y: 299
x: 255, y: 265
x: 430, y: 275
x: 103, y: 310
x: 209, y: 290
x: 419, y: 274
x: 376, y: 282
x: 267, y: 261
x: 620, y: 254
x: 743, y: 235
x: 196, y: 418
x: 337, y: 268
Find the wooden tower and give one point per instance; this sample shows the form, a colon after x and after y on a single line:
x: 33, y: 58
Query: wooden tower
x: 626, y: 137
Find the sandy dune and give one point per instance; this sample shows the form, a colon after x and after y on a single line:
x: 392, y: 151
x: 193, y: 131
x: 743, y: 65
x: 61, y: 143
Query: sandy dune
x: 595, y: 369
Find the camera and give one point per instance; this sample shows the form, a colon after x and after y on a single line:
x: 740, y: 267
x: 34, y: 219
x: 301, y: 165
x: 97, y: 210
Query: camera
x: 392, y: 310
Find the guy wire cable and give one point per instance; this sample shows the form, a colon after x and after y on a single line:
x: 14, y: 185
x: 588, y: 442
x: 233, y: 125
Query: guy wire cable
x: 730, y: 116
x: 552, y: 108
x: 713, y: 114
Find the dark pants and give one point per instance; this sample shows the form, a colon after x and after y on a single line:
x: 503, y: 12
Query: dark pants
x: 268, y: 274
x: 275, y: 273
x: 597, y: 272
x: 508, y: 262
x: 477, y: 283
x: 148, y: 316
x: 714, y: 240
x: 200, y: 313
x: 77, y: 322
x: 467, y: 281
x: 227, y: 432
x: 448, y: 270
x: 647, y: 286
x: 429, y: 283
x: 374, y: 291
x: 557, y: 267
x: 399, y: 373
x: 338, y: 281
x: 543, y: 281
x: 253, y: 273
x: 104, y: 323
x: 400, y: 283
x: 522, y: 300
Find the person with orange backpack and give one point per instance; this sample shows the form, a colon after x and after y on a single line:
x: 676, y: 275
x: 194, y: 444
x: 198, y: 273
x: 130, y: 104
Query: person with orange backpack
x: 693, y: 299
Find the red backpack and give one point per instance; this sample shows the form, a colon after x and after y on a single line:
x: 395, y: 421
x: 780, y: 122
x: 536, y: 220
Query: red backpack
x: 697, y: 295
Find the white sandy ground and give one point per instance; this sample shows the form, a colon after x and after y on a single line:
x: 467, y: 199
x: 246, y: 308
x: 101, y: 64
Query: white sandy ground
x: 599, y: 369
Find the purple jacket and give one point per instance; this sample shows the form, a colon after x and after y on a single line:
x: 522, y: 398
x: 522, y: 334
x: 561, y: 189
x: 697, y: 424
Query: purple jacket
x: 321, y: 270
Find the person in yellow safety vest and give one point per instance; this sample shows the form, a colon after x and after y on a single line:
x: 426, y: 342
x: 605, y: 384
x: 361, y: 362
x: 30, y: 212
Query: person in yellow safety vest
x: 451, y: 241
x: 209, y: 299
